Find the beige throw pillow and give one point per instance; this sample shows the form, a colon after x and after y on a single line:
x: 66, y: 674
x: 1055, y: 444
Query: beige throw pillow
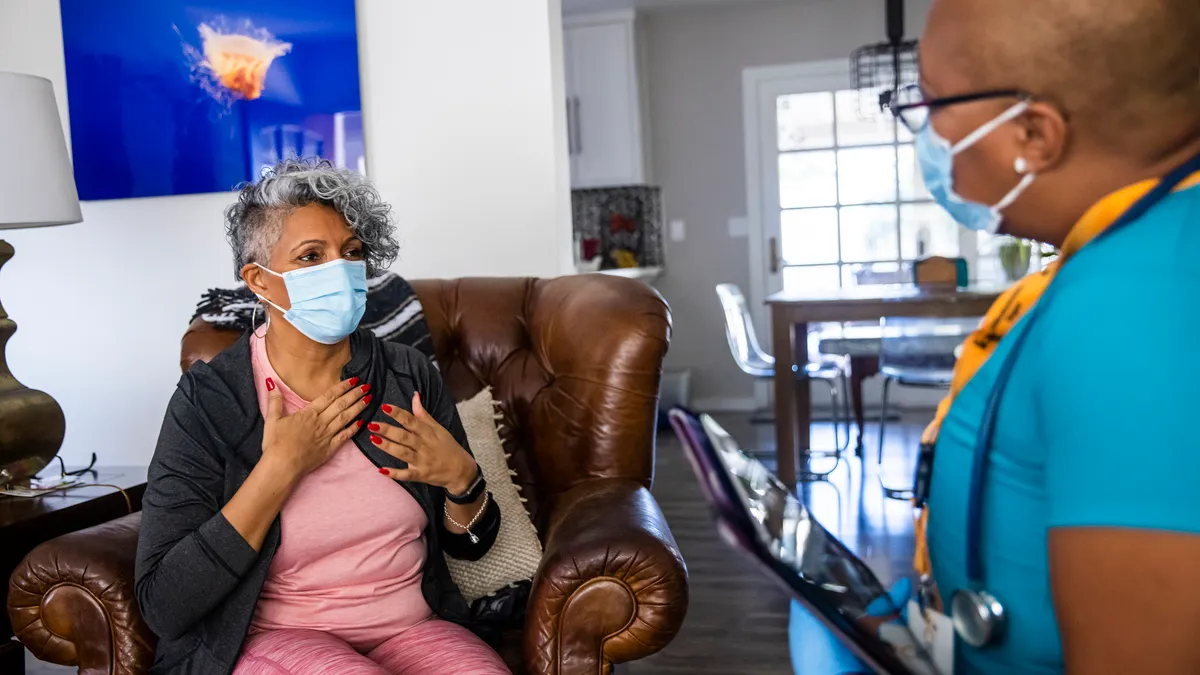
x: 517, y: 552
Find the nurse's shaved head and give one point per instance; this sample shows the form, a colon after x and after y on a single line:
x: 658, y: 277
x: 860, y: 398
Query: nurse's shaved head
x: 1116, y: 99
x: 1121, y: 71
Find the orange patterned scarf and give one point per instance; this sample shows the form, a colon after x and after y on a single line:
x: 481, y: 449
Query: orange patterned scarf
x: 1012, y: 305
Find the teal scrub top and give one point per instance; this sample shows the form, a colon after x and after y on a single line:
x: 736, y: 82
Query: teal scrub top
x: 1098, y: 426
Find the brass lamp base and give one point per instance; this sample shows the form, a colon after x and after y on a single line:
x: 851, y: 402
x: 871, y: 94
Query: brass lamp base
x: 31, y: 422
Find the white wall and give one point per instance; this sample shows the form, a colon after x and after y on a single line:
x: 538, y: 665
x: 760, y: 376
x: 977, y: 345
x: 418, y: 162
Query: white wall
x: 694, y: 63
x: 574, y: 7
x: 466, y: 133
x: 465, y: 137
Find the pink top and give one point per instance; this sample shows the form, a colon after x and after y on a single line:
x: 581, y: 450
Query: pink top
x: 352, y: 550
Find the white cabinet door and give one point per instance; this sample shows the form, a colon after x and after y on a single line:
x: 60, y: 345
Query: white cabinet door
x: 604, y: 108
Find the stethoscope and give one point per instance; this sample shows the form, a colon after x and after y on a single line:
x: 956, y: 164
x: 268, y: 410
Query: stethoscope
x: 978, y: 616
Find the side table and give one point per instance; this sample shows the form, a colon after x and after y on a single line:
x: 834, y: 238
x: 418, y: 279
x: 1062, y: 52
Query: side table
x: 27, y: 522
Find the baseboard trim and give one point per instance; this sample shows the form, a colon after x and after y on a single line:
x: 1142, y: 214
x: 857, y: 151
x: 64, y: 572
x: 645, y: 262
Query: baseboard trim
x: 741, y: 404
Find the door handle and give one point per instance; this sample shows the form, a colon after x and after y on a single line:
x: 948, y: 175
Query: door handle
x: 773, y: 253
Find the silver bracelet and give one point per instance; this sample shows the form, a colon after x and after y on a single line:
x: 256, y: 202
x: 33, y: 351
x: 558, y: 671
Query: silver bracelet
x: 475, y: 519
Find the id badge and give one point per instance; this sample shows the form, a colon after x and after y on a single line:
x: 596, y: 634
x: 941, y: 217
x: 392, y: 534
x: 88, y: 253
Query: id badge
x: 935, y: 632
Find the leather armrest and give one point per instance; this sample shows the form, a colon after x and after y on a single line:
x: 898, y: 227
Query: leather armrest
x: 71, y: 601
x: 612, y: 586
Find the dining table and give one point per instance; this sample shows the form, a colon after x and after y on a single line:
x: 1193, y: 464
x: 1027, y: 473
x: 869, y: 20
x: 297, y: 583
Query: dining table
x: 792, y: 312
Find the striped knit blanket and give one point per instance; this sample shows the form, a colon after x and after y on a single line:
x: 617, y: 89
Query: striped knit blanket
x: 393, y: 312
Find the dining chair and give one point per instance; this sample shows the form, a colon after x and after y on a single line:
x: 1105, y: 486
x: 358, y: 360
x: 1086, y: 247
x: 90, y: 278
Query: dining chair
x: 917, y: 353
x: 833, y: 370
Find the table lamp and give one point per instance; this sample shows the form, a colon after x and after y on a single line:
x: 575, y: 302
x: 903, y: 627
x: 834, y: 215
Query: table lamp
x: 37, y: 189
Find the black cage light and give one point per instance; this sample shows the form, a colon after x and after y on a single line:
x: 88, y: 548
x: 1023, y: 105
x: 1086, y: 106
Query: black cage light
x: 880, y: 69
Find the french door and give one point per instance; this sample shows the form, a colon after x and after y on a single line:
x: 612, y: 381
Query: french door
x: 833, y: 187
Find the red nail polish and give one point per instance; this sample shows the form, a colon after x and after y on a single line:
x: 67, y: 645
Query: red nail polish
x: 387, y: 409
x: 270, y: 384
x: 373, y: 426
x: 384, y: 472
x: 359, y: 424
x: 367, y: 399
x: 366, y: 388
x: 376, y: 440
x: 353, y: 381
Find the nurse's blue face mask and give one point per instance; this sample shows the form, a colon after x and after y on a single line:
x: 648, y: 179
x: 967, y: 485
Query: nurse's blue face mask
x: 935, y: 155
x: 327, y: 300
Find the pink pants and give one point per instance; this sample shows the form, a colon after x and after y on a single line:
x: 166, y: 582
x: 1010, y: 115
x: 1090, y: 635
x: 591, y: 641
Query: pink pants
x: 434, y: 647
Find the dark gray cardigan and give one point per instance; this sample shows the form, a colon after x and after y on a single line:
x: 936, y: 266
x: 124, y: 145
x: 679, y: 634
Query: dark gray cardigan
x: 197, y: 580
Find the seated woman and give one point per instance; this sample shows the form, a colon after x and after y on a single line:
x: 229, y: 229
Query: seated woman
x: 309, y: 479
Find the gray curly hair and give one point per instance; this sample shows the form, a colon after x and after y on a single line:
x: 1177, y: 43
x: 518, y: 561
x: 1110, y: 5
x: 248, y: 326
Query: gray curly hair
x: 254, y: 223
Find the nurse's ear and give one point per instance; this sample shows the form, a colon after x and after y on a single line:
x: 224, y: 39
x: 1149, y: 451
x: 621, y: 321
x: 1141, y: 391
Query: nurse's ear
x: 1044, y: 137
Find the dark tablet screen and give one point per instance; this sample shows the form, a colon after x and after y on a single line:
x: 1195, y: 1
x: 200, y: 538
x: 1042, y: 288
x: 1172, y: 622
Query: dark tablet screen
x: 758, y: 514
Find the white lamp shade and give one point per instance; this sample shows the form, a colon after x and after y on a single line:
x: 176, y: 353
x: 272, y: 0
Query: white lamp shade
x: 37, y: 186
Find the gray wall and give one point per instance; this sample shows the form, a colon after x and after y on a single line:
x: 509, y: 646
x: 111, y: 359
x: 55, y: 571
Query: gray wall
x: 694, y: 60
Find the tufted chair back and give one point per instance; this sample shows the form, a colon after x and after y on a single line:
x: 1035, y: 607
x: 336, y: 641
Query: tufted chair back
x: 575, y: 363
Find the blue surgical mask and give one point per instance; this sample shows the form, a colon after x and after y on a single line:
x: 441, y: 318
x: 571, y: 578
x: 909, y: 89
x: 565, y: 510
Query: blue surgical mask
x: 936, y: 157
x: 327, y: 300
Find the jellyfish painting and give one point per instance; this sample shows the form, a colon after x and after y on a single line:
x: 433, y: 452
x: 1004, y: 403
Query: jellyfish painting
x: 174, y: 97
x: 232, y: 63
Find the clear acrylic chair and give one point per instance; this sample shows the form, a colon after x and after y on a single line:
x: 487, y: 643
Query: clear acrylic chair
x: 916, y: 353
x: 753, y: 360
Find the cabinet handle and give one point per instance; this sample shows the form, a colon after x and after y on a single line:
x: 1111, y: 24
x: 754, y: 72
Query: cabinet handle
x: 578, y: 127
x: 570, y: 126
x: 773, y: 252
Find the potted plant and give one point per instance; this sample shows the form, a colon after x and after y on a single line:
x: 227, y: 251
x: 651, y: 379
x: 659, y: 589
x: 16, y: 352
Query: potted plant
x: 1015, y: 255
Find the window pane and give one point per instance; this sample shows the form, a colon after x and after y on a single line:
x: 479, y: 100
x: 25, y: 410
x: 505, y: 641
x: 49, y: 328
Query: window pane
x: 817, y: 279
x: 805, y: 121
x: 869, y: 233
x: 809, y: 236
x: 807, y: 179
x: 876, y: 273
x: 867, y: 175
x: 852, y: 129
x: 931, y: 224
x: 912, y: 185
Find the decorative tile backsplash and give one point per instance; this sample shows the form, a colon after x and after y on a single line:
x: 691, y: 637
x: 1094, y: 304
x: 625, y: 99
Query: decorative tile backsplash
x: 623, y: 224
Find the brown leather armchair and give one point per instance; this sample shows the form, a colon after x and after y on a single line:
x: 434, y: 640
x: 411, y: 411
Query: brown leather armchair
x: 575, y: 363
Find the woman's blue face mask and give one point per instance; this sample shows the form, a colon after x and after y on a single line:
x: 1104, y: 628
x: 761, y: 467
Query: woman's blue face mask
x: 936, y: 155
x: 327, y: 300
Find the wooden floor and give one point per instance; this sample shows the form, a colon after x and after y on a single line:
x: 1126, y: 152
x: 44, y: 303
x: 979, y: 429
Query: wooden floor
x: 737, y: 620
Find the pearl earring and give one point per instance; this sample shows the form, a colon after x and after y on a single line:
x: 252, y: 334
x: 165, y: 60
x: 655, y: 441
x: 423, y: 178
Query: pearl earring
x: 1021, y: 166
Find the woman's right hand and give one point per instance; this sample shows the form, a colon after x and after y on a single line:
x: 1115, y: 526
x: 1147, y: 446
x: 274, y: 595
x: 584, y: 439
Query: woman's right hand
x: 304, y: 440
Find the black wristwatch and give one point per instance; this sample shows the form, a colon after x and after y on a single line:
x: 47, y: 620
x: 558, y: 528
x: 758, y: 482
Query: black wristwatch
x: 474, y: 492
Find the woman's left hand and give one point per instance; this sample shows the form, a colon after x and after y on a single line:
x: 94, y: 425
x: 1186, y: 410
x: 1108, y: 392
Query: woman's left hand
x: 432, y: 454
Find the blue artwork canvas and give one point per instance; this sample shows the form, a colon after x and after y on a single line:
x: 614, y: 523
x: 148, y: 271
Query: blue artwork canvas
x: 171, y: 97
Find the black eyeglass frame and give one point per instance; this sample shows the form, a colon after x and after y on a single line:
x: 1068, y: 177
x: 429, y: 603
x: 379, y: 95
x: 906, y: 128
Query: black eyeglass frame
x: 942, y: 102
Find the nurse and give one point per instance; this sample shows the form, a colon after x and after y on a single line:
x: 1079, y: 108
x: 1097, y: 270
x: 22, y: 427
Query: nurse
x: 1065, y: 484
x: 1056, y: 120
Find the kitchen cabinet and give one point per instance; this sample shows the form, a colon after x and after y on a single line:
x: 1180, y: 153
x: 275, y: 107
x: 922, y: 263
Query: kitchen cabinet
x: 605, y: 111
